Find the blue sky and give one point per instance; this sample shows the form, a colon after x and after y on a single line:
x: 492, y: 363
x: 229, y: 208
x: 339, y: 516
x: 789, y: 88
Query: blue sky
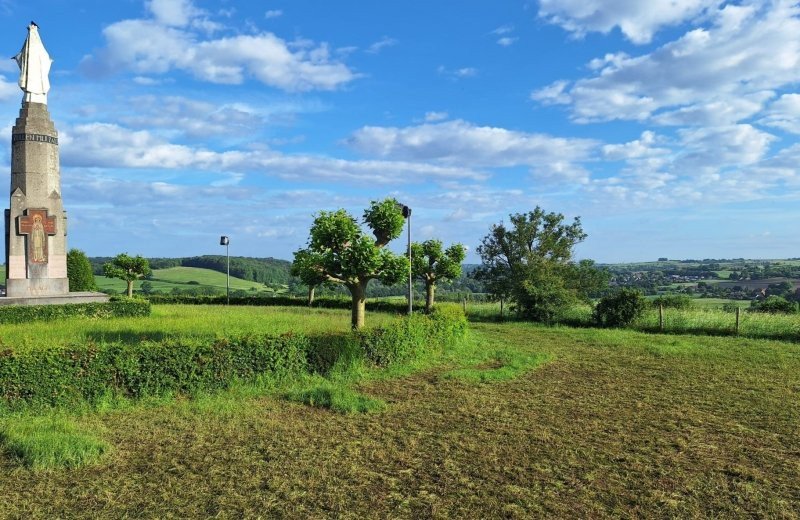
x: 670, y: 127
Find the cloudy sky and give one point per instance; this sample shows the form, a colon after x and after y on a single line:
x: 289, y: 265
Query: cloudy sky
x: 669, y: 126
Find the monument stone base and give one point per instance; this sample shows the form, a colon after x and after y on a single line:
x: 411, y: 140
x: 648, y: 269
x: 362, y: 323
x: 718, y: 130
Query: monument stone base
x: 36, y: 287
x: 57, y: 299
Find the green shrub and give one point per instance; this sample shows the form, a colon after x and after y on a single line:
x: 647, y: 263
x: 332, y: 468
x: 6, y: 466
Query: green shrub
x: 673, y: 301
x: 729, y: 307
x: 79, y: 272
x: 544, y: 299
x: 398, y: 306
x: 125, y: 307
x: 619, y: 309
x: 774, y: 305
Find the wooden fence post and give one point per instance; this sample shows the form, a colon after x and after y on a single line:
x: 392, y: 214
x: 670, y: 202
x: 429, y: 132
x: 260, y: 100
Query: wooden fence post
x: 737, y: 320
x: 465, y: 306
x: 661, y: 317
x: 501, y: 308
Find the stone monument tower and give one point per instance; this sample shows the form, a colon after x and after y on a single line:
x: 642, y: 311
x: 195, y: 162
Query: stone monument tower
x: 36, y: 223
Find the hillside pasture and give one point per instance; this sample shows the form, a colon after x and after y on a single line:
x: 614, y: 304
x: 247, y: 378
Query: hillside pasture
x: 164, y: 280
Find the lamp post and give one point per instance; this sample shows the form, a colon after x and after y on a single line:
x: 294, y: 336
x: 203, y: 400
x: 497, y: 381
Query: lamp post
x: 407, y: 215
x: 225, y: 241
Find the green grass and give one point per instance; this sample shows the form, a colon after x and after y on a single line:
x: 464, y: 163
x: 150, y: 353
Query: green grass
x: 717, y: 303
x: 200, y: 321
x: 335, y: 396
x: 615, y: 424
x: 164, y: 280
x: 49, y: 442
x: 719, y: 322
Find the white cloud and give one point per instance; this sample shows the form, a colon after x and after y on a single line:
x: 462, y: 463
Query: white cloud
x: 724, y: 73
x: 721, y: 146
x: 461, y: 143
x: 193, y: 118
x: 638, y: 20
x: 506, y: 41
x: 463, y: 72
x: 637, y: 149
x: 146, y: 81
x: 164, y: 43
x: 784, y: 113
x: 553, y: 94
x: 381, y: 44
x: 100, y: 145
x: 273, y: 13
x: 175, y: 13
x: 503, y: 29
x: 432, y: 117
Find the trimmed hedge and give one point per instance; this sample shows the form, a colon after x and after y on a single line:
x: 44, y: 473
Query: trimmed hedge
x: 78, y: 373
x: 112, y: 309
x: 277, y: 301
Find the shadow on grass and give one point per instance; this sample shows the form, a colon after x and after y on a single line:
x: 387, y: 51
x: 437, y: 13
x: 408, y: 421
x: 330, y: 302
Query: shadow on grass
x: 335, y: 397
x: 125, y: 336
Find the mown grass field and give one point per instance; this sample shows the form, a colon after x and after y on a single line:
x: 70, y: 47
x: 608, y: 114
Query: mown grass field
x: 523, y: 421
x: 164, y: 280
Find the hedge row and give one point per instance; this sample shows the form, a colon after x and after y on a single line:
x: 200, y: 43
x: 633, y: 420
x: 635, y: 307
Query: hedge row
x: 113, y: 309
x: 79, y: 373
x: 277, y: 301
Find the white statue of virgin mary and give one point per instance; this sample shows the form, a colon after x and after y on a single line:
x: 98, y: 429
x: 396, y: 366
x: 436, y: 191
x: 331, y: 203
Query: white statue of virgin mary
x: 34, y: 67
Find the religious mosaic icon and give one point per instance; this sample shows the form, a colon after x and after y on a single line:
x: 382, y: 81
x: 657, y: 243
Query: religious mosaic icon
x: 37, y: 225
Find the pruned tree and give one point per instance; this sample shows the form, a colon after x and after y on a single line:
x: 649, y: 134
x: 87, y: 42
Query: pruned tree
x: 530, y: 261
x: 127, y: 268
x: 304, y: 267
x: 431, y: 263
x: 79, y: 272
x: 339, y: 251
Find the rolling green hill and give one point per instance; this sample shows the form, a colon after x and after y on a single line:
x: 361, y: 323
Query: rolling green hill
x: 183, y: 278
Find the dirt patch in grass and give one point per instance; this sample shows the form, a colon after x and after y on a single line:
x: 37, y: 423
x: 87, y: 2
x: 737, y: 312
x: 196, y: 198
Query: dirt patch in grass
x: 615, y: 424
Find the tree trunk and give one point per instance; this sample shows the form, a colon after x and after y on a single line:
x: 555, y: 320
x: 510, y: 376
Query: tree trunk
x: 430, y: 288
x: 358, y: 291
x: 311, y: 295
x: 130, y: 288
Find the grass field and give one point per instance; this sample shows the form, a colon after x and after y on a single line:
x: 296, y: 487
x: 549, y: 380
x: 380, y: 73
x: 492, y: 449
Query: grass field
x: 164, y: 280
x: 613, y: 423
x: 181, y: 321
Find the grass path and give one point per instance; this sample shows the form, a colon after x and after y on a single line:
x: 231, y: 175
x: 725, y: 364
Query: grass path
x: 617, y: 423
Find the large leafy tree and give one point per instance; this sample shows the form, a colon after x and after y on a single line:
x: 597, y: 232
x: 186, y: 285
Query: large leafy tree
x: 128, y: 268
x: 431, y: 263
x: 530, y: 261
x: 339, y: 251
x: 79, y: 272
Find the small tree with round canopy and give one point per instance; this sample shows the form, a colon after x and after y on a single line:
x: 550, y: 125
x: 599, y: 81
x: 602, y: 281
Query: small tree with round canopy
x: 339, y: 251
x: 128, y: 268
x: 431, y: 263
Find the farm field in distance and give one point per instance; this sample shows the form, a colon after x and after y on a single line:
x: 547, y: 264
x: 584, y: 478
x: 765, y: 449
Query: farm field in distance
x: 613, y: 423
x: 164, y: 280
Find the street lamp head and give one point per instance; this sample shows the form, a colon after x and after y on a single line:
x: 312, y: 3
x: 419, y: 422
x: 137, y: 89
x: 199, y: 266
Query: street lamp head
x: 405, y: 209
x: 224, y: 241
